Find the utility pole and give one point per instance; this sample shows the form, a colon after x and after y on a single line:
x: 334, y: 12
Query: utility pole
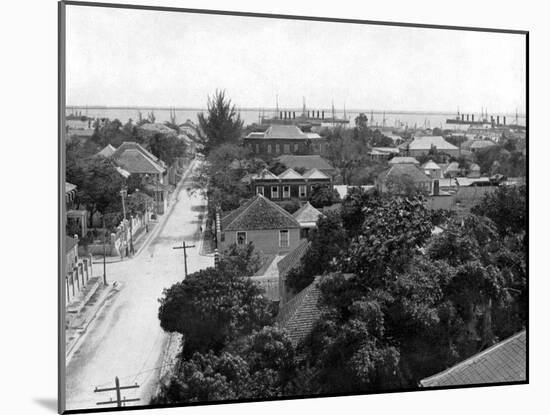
x: 184, y: 246
x: 119, y: 401
x: 104, y: 254
x: 123, y: 193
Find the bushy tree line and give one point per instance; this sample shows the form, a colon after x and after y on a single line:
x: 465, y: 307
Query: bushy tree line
x: 411, y: 303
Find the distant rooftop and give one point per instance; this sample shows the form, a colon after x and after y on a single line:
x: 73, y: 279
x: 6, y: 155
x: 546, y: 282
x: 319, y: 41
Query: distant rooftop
x: 428, y: 141
x: 404, y: 160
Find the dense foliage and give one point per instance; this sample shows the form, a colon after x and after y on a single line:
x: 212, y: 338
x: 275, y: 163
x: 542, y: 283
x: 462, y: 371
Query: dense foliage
x: 221, y: 124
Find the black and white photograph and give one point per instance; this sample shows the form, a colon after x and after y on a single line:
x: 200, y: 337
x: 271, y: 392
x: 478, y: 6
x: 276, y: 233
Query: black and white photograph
x: 260, y: 207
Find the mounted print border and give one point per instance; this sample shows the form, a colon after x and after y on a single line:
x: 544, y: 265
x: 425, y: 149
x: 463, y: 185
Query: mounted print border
x: 259, y: 207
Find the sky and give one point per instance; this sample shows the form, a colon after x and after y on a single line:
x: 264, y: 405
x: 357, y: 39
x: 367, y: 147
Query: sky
x: 120, y: 57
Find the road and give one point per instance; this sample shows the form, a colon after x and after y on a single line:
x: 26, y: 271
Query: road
x: 125, y: 339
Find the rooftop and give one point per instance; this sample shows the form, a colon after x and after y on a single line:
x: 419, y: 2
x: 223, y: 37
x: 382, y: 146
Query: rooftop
x: 132, y: 145
x: 428, y: 141
x: 407, y: 170
x: 283, y: 131
x: 307, y: 215
x: 107, y: 151
x: 258, y: 213
x: 134, y: 161
x: 404, y: 160
x: 504, y: 362
x: 300, y: 314
x: 315, y: 174
x: 292, y: 259
x: 430, y: 165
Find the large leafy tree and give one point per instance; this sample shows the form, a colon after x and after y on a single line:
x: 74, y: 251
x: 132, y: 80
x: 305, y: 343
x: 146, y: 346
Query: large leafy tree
x: 327, y: 241
x: 507, y: 208
x: 221, y: 124
x: 260, y: 365
x: 212, y: 307
x: 98, y: 184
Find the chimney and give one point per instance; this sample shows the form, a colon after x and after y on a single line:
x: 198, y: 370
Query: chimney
x: 436, y: 188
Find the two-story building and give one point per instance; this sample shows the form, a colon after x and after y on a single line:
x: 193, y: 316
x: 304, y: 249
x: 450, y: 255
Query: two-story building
x: 281, y: 139
x: 289, y: 184
x: 270, y: 228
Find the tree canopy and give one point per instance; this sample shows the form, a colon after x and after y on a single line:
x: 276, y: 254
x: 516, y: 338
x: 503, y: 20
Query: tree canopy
x: 221, y: 123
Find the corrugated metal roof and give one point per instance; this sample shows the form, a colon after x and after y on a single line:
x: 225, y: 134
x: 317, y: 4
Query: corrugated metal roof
x: 404, y: 160
x: 504, y: 362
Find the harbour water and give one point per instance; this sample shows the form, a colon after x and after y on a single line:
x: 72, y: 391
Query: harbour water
x: 252, y: 115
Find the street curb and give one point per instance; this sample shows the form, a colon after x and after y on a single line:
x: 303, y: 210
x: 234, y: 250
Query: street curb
x: 69, y: 352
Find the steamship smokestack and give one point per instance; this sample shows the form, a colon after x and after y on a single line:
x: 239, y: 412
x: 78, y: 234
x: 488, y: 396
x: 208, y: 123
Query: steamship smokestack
x: 498, y: 119
x: 293, y: 114
x: 462, y: 115
x: 323, y: 115
x: 504, y: 119
x: 280, y: 115
x: 472, y: 117
x: 467, y: 117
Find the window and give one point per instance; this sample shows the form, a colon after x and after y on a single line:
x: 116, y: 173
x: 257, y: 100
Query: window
x: 283, y: 238
x: 257, y: 149
x: 286, y: 192
x: 302, y: 192
x: 260, y: 190
x: 304, y: 233
x: 241, y: 238
x: 287, y: 148
x: 274, y: 192
x: 269, y: 148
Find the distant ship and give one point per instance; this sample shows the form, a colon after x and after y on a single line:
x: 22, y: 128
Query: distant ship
x: 308, y: 118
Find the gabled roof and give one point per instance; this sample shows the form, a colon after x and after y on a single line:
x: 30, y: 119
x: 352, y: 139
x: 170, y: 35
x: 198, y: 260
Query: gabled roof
x: 315, y: 174
x: 292, y: 259
x: 284, y: 131
x: 305, y: 162
x: 407, y: 170
x: 428, y: 141
x: 107, y: 151
x: 430, y: 165
x: 134, y: 161
x: 404, y: 160
x: 300, y: 314
x: 452, y: 166
x: 132, y: 145
x: 307, y: 215
x: 504, y: 362
x: 258, y: 213
x: 290, y: 174
x: 264, y: 175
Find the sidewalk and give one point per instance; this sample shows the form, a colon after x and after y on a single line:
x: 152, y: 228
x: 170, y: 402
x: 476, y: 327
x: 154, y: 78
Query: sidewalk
x: 81, y: 312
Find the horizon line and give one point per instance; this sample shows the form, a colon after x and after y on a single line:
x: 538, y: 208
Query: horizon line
x: 267, y: 108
